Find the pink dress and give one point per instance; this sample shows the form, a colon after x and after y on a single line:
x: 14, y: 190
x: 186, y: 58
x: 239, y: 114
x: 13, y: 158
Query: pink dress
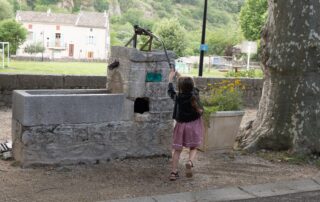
x: 188, y: 134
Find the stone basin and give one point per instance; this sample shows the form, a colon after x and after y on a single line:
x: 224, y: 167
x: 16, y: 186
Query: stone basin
x: 46, y: 107
x: 131, y: 118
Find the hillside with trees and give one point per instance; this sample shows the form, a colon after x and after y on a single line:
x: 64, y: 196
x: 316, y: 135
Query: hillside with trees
x: 181, y: 19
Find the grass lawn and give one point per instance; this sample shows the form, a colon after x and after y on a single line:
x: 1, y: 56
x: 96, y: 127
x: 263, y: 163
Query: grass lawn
x: 76, y: 68
x: 67, y: 68
x: 206, y: 73
x: 80, y: 68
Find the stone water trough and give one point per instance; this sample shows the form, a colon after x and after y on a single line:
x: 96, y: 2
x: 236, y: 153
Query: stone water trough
x: 130, y: 118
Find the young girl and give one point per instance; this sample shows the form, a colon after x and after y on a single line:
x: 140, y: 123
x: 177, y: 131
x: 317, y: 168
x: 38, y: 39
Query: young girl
x: 189, y: 126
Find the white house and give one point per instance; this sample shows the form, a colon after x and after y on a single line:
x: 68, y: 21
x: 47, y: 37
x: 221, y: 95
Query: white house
x: 76, y: 36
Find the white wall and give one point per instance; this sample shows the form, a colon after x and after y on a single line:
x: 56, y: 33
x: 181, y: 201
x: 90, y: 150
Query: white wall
x: 79, y: 36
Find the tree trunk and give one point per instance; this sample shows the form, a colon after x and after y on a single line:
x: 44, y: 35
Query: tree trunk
x: 289, y: 110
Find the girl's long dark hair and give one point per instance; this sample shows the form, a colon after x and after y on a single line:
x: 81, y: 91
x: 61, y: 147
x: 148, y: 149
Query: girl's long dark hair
x: 186, y: 85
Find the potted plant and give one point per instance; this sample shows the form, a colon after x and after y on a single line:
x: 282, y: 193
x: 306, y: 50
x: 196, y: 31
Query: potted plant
x: 222, y: 114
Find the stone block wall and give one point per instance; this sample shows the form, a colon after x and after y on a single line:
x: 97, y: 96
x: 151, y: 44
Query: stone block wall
x: 90, y: 143
x: 10, y: 82
x: 130, y: 78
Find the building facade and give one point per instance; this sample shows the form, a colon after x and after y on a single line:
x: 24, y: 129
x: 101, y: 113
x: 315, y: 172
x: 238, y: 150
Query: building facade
x: 82, y: 36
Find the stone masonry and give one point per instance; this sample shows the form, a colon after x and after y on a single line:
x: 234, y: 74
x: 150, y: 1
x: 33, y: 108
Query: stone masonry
x: 115, y: 131
x: 11, y: 82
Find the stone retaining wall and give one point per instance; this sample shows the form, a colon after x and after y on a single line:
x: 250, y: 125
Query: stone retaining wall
x: 10, y: 82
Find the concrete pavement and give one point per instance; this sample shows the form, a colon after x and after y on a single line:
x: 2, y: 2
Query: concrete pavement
x: 313, y: 196
x: 235, y: 193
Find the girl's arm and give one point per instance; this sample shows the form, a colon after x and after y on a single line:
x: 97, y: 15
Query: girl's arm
x: 171, y: 92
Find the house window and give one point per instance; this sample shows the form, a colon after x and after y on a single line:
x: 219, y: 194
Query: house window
x: 58, y: 36
x: 58, y: 40
x: 30, y: 26
x: 58, y: 27
x: 91, y: 40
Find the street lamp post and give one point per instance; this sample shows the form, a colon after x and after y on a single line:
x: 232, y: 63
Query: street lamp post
x: 203, y: 38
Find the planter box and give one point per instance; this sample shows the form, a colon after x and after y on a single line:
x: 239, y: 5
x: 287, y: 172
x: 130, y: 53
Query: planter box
x: 221, y: 134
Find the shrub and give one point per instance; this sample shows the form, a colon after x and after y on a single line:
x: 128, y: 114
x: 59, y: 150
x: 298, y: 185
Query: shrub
x: 223, y: 96
x: 34, y: 48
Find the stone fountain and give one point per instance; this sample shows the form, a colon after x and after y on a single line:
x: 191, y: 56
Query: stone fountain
x: 130, y: 118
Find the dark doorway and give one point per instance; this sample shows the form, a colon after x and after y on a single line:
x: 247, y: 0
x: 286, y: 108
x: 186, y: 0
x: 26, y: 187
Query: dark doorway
x: 141, y: 105
x: 71, y: 50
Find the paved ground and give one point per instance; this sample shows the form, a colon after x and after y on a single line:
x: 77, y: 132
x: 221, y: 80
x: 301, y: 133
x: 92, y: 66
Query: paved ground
x: 137, y: 177
x: 296, y: 190
x: 313, y: 196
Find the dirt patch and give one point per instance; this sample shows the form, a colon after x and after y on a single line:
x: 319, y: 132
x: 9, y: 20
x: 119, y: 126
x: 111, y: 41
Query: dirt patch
x: 137, y: 177
x: 140, y: 177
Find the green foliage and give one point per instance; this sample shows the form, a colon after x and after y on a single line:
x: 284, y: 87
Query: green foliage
x: 222, y: 14
x: 223, y: 96
x: 121, y: 34
x: 34, y: 48
x: 252, y: 18
x: 76, y: 6
x: 192, y: 2
x: 15, y: 5
x: 173, y: 35
x: 126, y: 4
x: 222, y: 38
x: 136, y: 17
x: 31, y: 4
x: 21, y: 5
x: 12, y: 32
x: 53, y: 8
x: 101, y: 5
x: 193, y: 40
x: 217, y: 17
x: 226, y: 96
x: 252, y: 73
x: 229, y: 6
x: 47, y: 2
x: 6, y: 10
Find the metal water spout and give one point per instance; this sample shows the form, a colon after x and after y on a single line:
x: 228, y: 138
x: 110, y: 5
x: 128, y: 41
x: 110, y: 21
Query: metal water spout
x: 145, y: 32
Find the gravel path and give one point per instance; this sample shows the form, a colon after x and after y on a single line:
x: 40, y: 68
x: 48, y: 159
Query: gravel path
x: 136, y: 177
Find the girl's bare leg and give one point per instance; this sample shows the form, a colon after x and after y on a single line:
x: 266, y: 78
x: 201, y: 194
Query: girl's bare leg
x: 175, y: 160
x: 189, y: 164
x: 192, y: 154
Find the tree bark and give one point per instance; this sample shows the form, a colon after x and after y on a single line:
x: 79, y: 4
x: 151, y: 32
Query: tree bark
x: 288, y: 117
